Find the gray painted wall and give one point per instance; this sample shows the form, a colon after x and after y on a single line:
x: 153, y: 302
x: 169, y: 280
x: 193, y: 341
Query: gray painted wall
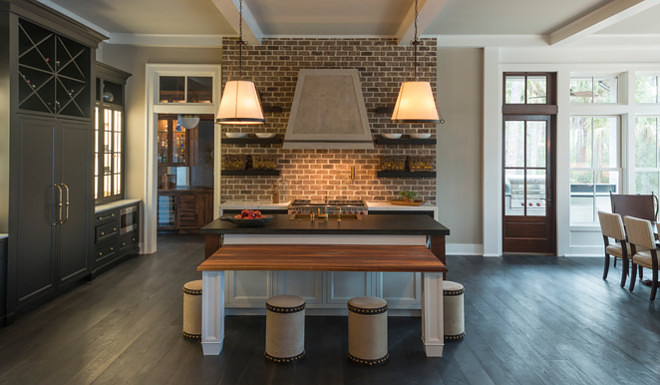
x: 133, y: 59
x: 459, y: 165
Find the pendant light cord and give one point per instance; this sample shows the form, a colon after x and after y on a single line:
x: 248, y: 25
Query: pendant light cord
x: 415, y: 42
x: 241, y: 43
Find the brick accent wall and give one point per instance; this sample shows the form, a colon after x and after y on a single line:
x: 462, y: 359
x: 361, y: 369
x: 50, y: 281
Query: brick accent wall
x: 314, y: 174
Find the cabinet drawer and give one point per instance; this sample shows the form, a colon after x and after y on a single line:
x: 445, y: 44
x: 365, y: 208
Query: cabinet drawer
x: 129, y: 242
x: 106, y: 216
x: 106, y: 231
x: 105, y: 252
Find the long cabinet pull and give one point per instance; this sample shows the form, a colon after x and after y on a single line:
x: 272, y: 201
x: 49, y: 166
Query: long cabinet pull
x: 59, y: 206
x: 67, y: 203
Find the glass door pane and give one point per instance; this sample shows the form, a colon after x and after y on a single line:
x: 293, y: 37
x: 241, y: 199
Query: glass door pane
x: 525, y: 167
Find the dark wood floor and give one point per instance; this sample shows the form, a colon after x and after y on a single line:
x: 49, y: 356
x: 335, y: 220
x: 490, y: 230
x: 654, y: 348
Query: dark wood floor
x: 529, y: 320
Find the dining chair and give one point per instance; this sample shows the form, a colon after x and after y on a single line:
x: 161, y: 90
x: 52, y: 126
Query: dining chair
x: 644, y: 252
x: 611, y: 226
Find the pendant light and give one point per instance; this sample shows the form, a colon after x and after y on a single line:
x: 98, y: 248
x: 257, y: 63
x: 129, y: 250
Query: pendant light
x: 188, y: 121
x: 240, y: 103
x: 415, y: 103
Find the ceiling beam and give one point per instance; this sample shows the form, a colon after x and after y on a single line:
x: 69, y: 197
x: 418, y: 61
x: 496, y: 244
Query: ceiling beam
x: 427, y: 12
x: 603, y: 17
x: 251, y: 31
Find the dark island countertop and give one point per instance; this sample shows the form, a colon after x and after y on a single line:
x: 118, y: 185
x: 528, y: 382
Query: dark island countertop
x: 386, y: 224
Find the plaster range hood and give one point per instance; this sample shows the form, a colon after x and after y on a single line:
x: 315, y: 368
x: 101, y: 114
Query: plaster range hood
x: 328, y: 112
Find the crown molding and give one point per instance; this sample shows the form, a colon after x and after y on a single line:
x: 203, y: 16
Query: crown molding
x: 172, y: 41
x: 73, y: 16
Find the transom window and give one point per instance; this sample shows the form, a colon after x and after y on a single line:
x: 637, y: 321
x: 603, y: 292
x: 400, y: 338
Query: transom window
x: 526, y: 88
x: 594, y: 89
x: 185, y: 89
x: 646, y: 89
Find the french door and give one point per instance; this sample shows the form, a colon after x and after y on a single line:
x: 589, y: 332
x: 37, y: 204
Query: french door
x: 528, y: 184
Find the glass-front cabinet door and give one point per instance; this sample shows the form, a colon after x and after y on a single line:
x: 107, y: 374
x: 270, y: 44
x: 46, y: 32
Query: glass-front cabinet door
x: 109, y: 138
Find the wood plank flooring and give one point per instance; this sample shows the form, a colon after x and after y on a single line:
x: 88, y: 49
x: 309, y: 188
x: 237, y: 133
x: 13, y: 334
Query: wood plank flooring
x: 529, y: 320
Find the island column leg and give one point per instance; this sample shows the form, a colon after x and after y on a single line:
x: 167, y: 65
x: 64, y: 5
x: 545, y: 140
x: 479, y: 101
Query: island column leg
x: 433, y: 328
x: 213, y: 311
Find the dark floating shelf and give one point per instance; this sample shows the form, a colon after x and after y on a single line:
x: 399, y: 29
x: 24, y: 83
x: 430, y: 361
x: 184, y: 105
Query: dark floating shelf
x: 405, y: 140
x: 251, y: 172
x: 405, y: 174
x: 250, y: 139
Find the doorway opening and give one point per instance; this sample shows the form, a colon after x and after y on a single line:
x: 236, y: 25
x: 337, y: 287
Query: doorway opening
x: 529, y: 158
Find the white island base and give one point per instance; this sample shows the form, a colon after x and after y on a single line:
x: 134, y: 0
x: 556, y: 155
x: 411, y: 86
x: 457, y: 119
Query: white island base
x: 416, y: 289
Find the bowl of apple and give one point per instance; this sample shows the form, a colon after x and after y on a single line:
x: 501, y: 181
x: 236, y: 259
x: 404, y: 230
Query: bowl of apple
x: 249, y: 218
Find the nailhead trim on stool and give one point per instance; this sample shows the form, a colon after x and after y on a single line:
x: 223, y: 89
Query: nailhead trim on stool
x: 192, y: 310
x: 367, y: 331
x: 453, y: 310
x: 285, y: 329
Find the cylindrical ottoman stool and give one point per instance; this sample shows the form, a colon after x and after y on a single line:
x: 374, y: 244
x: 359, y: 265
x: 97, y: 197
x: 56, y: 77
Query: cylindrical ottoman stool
x: 453, y: 310
x: 192, y: 310
x: 285, y: 328
x: 367, y: 330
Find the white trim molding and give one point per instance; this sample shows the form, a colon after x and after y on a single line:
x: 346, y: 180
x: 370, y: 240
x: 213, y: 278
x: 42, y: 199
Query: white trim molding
x: 170, y: 41
x: 153, y: 108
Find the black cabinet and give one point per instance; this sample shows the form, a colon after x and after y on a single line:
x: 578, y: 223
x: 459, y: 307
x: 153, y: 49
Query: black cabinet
x: 46, y: 139
x: 52, y: 244
x: 3, y: 276
x: 116, y: 236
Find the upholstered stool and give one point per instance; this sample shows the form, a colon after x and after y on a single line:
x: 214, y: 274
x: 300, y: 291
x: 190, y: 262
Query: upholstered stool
x: 367, y: 330
x: 192, y: 310
x: 285, y: 328
x: 453, y: 309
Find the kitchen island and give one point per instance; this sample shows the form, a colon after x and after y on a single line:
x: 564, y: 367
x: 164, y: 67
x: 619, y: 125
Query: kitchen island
x: 349, y: 262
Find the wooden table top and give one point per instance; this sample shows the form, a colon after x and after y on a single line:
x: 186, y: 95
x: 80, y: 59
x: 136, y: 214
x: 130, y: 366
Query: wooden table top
x: 324, y: 258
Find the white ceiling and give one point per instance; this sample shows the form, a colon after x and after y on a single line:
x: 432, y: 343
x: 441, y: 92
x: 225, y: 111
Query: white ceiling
x: 555, y: 20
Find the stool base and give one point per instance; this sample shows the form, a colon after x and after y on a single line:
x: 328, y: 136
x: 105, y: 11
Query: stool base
x: 376, y: 362
x: 190, y: 336
x: 455, y: 337
x: 286, y: 360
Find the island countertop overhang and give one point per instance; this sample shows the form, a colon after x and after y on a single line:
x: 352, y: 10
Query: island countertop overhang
x: 385, y: 224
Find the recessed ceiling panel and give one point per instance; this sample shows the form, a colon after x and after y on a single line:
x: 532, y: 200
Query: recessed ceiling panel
x: 642, y: 23
x: 177, y: 17
x: 508, y: 17
x: 329, y: 17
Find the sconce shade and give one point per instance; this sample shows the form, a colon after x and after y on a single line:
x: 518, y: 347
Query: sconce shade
x: 415, y: 104
x: 188, y: 121
x: 240, y: 104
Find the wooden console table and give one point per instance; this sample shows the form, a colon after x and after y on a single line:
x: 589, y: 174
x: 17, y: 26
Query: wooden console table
x: 390, y: 258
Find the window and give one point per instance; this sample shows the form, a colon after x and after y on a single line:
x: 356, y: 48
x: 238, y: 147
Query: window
x: 185, y: 89
x: 595, y: 162
x: 646, y: 89
x: 647, y: 164
x: 594, y: 89
x: 525, y: 88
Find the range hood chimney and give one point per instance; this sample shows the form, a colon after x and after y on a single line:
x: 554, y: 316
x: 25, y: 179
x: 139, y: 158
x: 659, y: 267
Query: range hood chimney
x: 328, y: 112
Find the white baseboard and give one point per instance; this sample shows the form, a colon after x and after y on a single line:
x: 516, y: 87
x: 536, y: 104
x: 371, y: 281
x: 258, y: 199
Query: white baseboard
x: 464, y: 249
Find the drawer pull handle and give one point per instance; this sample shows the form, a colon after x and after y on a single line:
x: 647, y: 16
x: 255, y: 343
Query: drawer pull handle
x: 112, y: 249
x: 133, y: 239
x: 102, y: 233
x: 123, y: 243
x: 112, y: 215
x: 114, y: 229
x: 100, y: 253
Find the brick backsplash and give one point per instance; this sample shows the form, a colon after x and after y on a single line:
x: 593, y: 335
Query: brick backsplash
x: 313, y: 174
